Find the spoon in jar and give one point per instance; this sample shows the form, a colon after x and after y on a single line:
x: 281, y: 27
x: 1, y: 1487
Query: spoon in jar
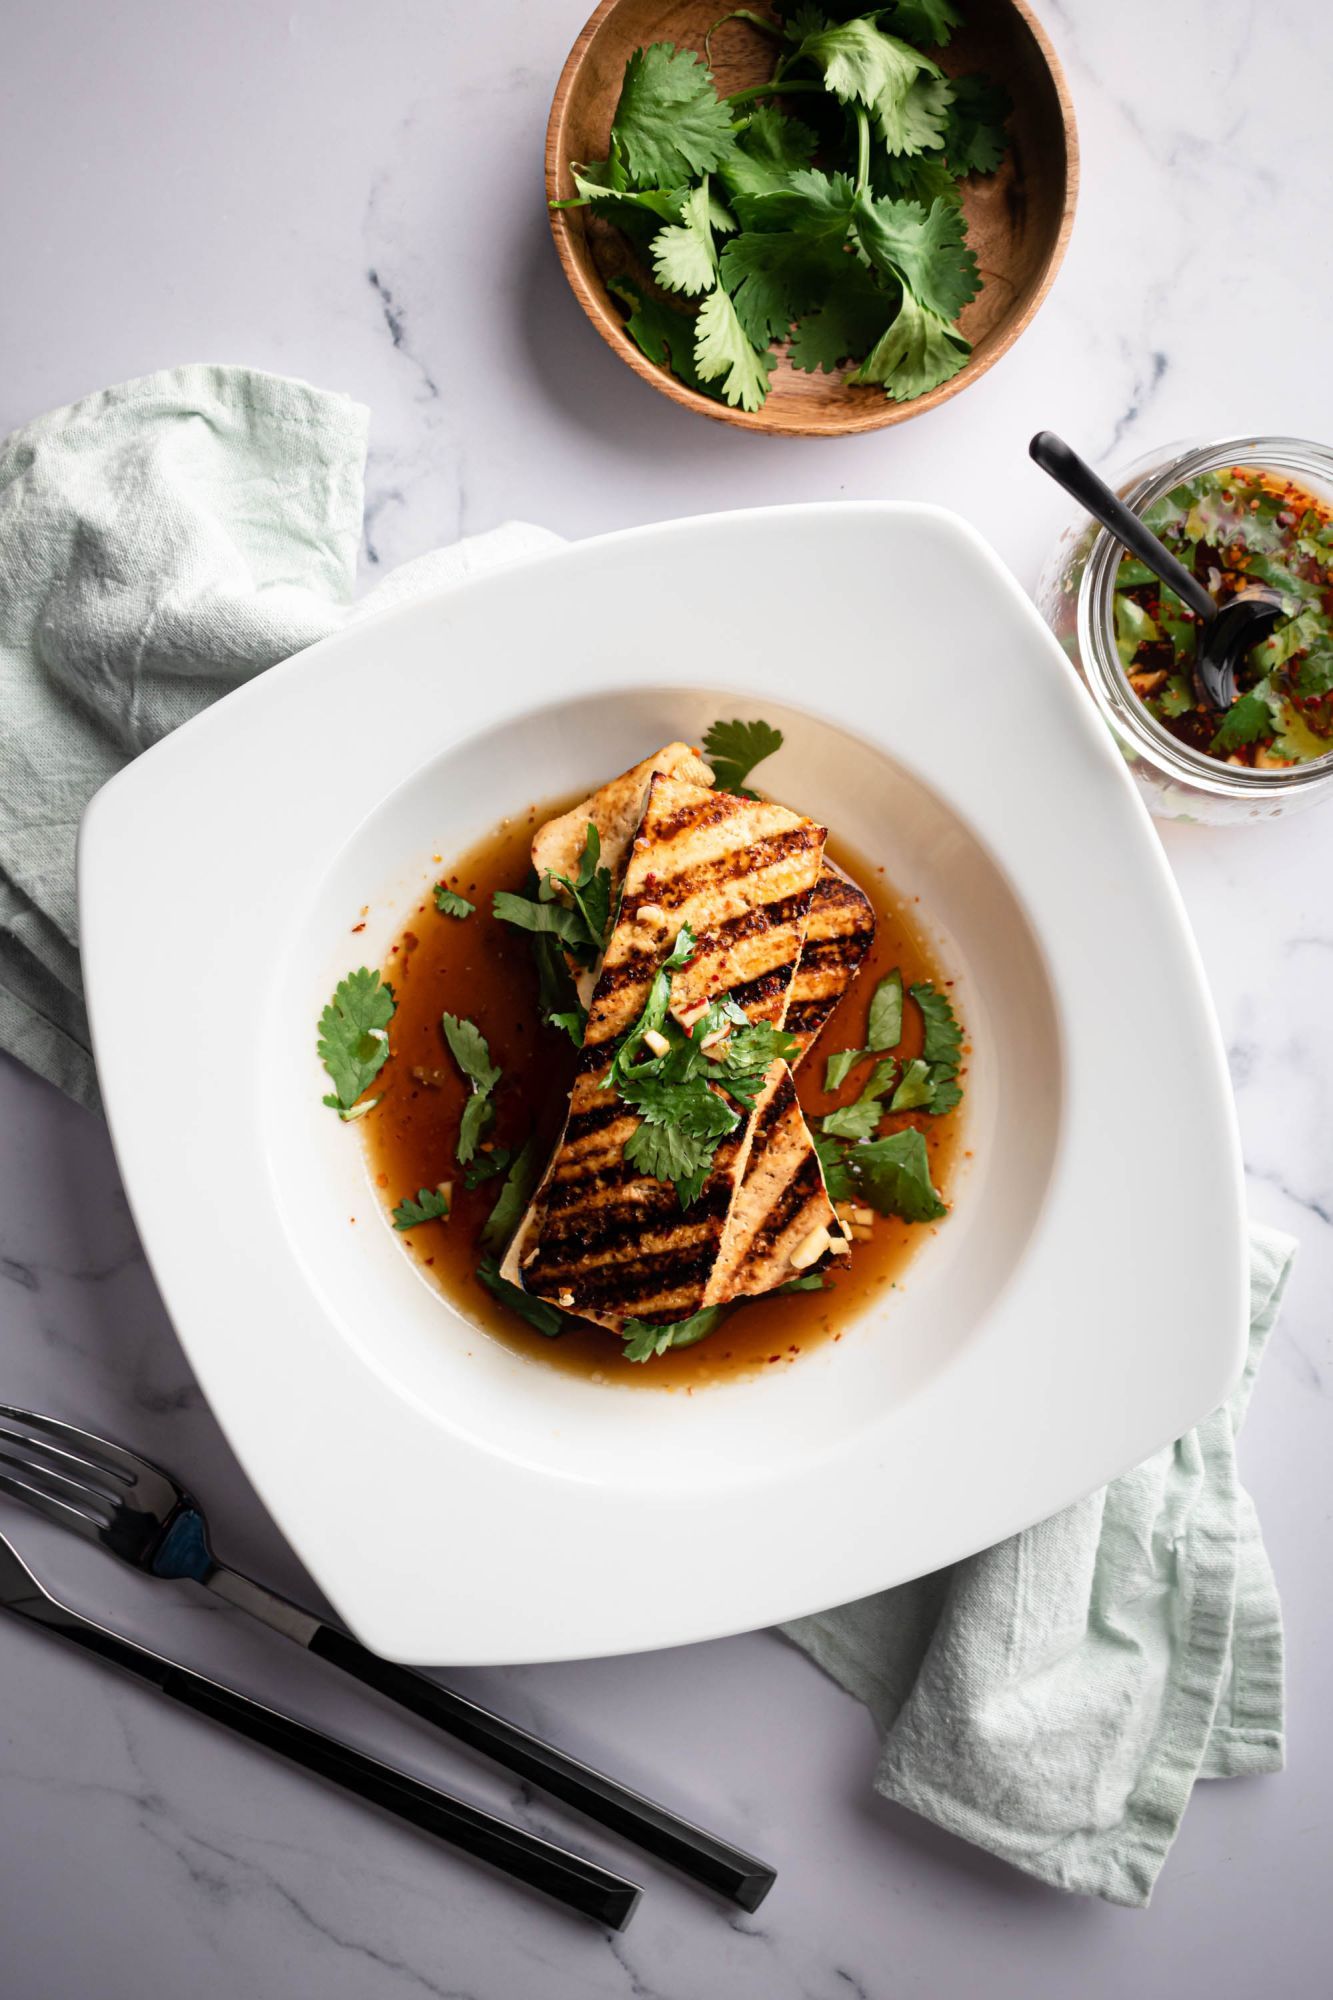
x: 1230, y: 630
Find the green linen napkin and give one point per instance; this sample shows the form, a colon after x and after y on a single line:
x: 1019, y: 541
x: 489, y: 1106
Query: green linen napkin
x: 160, y: 543
x: 1052, y: 1699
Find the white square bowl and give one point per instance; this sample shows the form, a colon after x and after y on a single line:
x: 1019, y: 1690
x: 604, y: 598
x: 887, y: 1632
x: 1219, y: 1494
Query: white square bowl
x: 1083, y: 1304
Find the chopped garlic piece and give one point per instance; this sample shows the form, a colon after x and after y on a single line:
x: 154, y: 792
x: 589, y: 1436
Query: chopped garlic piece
x: 810, y: 1249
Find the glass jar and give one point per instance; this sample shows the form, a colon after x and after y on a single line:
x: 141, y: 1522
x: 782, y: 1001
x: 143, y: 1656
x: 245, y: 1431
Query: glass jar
x: 1076, y: 596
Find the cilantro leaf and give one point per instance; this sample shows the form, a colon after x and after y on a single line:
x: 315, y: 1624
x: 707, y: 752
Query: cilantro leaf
x: 945, y: 1091
x: 645, y: 1338
x: 580, y: 924
x: 861, y: 64
x: 353, y: 1041
x: 768, y: 148
x: 670, y: 124
x: 886, y: 1012
x: 840, y: 1066
x: 685, y: 1103
x: 926, y: 249
x: 809, y: 1281
x: 724, y: 353
x: 550, y: 919
x: 470, y: 1051
x: 514, y: 1196
x: 486, y: 1166
x: 1133, y: 628
x: 928, y: 21
x: 916, y: 121
x: 1245, y: 721
x: 429, y: 1206
x: 1314, y: 676
x: 556, y: 994
x: 920, y: 177
x: 773, y: 277
x: 832, y: 1156
x: 860, y: 1119
x: 1177, y: 696
x: 450, y: 904
x: 590, y: 893
x: 662, y: 332
x: 684, y: 255
x: 751, y: 1053
x: 1295, y: 741
x: 734, y: 748
x: 846, y: 321
x: 604, y: 188
x: 944, y: 1037
x: 544, y: 1318
x: 893, y: 1175
x: 914, y: 1091
x: 974, y: 136
x: 816, y: 204
x: 668, y: 1153
x: 476, y: 1121
x: 914, y: 355
x: 654, y: 1008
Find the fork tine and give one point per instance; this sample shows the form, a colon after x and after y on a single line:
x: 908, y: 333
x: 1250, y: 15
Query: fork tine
x: 84, y: 1471
x: 111, y: 1459
x: 60, y: 1484
x: 55, y: 1510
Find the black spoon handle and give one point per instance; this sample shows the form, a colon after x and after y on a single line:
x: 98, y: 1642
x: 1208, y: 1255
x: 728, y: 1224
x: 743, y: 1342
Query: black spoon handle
x: 1067, y: 469
x: 578, y: 1884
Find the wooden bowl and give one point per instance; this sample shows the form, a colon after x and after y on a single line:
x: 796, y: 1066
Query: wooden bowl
x: 1019, y: 218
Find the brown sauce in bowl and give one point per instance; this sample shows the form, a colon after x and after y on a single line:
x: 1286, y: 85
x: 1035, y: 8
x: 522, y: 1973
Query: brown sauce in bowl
x: 483, y: 969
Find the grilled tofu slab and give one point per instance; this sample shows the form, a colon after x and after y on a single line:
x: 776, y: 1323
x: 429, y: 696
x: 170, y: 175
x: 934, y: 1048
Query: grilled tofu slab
x: 615, y: 809
x: 782, y: 1201
x: 839, y: 933
x: 600, y: 1239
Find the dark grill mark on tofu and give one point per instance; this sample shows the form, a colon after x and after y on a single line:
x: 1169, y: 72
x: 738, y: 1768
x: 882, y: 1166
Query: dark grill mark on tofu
x: 673, y: 890
x: 767, y: 987
x: 805, y: 1186
x: 582, y: 1124
x: 620, y: 1289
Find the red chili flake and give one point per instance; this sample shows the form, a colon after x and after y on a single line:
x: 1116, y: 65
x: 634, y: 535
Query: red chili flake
x: 356, y: 928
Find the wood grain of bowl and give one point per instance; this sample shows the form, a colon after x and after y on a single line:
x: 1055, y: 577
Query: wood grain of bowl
x: 1019, y: 218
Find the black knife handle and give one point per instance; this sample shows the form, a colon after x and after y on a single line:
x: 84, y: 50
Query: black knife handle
x: 652, y: 1827
x: 578, y: 1884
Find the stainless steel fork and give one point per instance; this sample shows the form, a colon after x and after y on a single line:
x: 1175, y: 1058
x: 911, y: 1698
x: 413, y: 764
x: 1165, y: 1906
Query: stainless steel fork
x: 110, y: 1495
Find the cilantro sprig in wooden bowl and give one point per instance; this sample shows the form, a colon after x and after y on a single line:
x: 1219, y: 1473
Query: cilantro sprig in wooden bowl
x: 925, y: 229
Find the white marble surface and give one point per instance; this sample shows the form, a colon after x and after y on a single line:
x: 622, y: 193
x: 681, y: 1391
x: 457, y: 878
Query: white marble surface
x: 353, y: 194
